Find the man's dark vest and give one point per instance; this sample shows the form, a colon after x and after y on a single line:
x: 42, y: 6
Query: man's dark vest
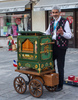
x: 61, y: 42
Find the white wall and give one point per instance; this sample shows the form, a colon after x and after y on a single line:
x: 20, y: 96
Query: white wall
x: 38, y: 21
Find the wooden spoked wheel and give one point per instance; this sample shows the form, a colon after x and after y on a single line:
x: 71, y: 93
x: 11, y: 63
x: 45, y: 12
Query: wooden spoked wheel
x: 35, y: 88
x: 20, y: 85
x: 51, y: 89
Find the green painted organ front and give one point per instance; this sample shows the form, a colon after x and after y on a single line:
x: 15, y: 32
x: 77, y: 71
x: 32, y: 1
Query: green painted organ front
x: 34, y: 51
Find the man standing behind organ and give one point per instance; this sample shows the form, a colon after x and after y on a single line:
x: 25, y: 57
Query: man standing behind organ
x: 60, y: 30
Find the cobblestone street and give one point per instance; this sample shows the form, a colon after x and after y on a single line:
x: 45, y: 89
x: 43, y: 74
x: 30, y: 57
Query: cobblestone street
x: 7, y: 75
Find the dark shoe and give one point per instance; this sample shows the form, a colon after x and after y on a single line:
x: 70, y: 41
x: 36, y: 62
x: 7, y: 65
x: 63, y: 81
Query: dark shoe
x: 58, y: 89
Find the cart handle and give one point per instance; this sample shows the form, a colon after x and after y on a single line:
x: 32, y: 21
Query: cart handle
x: 46, y: 51
x: 47, y: 43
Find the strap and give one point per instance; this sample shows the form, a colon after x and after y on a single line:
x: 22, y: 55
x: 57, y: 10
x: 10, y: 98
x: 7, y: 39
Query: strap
x: 55, y: 25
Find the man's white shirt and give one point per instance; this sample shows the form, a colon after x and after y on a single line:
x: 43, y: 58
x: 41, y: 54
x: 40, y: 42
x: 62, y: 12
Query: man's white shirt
x: 66, y: 34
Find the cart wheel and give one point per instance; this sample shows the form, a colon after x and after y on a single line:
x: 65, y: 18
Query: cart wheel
x: 20, y: 85
x: 51, y: 89
x: 35, y: 88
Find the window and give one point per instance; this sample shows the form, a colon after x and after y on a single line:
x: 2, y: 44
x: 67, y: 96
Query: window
x: 11, y: 24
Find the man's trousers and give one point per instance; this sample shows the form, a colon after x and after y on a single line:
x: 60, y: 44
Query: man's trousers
x: 59, y: 55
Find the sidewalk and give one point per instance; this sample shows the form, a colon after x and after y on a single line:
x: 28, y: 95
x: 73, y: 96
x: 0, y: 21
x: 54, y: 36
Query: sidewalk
x: 7, y: 75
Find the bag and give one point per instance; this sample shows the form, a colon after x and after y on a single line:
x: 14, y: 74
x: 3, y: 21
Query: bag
x: 13, y: 47
x: 71, y: 77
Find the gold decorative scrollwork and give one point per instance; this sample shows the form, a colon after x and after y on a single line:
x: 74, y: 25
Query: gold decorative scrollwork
x: 50, y: 63
x: 42, y: 65
x: 36, y: 66
x: 39, y: 69
x: 19, y: 64
x: 19, y: 55
x: 35, y: 56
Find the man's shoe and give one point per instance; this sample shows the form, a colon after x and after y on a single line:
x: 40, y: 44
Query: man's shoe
x: 58, y: 89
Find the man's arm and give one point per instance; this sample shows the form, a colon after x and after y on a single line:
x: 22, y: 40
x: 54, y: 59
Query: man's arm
x: 67, y: 34
x: 47, y: 32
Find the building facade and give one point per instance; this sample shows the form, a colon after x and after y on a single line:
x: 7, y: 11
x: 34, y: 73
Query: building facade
x: 35, y: 15
x: 69, y: 10
x: 15, y: 15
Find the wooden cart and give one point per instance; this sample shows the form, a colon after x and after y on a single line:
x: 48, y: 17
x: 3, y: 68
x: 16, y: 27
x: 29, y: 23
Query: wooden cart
x: 35, y: 60
x: 36, y: 81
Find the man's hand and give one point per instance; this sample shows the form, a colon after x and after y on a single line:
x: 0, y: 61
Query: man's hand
x: 60, y: 31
